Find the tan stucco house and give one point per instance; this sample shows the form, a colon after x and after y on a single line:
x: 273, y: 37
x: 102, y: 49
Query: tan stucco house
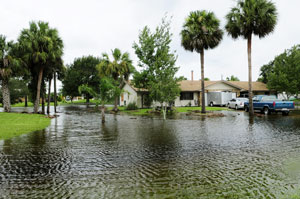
x: 190, y: 91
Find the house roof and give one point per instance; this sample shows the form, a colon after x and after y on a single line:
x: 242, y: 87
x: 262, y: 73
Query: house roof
x: 189, y: 85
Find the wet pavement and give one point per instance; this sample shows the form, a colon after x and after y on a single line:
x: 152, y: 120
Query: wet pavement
x: 144, y: 157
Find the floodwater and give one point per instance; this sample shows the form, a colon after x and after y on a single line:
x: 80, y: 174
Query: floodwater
x: 144, y: 157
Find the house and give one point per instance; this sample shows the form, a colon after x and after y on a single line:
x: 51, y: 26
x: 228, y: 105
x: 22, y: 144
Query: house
x: 191, y: 89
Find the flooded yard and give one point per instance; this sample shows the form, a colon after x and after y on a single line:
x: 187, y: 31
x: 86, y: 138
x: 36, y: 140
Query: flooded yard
x: 144, y: 157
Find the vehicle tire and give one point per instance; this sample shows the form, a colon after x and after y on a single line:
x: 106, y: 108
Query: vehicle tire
x: 211, y: 104
x: 266, y: 111
x: 236, y: 107
x: 246, y: 108
x: 285, y: 113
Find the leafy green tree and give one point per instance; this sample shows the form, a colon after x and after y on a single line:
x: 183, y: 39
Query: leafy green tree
x: 70, y: 85
x: 251, y: 17
x: 285, y: 75
x: 201, y: 31
x: 158, y: 65
x: 40, y: 45
x: 108, y: 89
x: 232, y: 78
x: 119, y: 69
x: 206, y: 79
x: 265, y: 71
x: 82, y: 71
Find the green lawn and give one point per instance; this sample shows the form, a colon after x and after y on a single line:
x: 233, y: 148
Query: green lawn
x: 188, y: 109
x: 15, y: 124
x: 145, y: 111
x: 29, y: 104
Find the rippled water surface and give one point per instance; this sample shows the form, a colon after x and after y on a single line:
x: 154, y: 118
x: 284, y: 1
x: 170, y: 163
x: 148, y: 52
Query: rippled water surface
x: 142, y: 157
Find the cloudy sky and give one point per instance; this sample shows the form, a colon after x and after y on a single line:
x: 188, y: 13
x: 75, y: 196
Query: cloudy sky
x: 92, y: 27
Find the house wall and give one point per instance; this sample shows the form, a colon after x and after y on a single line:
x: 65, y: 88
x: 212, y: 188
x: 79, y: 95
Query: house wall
x: 193, y: 102
x: 129, y: 96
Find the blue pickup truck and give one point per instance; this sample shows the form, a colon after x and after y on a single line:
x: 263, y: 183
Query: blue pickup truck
x: 267, y: 104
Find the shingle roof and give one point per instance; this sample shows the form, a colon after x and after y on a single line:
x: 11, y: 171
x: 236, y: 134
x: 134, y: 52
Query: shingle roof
x: 188, y: 85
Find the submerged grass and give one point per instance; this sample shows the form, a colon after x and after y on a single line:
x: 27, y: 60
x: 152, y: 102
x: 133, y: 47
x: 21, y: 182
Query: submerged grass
x: 15, y: 124
x: 147, y: 111
x: 208, y: 108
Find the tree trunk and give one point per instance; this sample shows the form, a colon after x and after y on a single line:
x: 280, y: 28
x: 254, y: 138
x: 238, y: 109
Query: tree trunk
x: 6, y: 95
x: 251, y: 111
x: 55, y: 98
x: 142, y: 100
x: 103, y: 113
x: 202, y: 82
x: 37, y: 100
x: 43, y: 102
x: 116, y: 104
x: 164, y: 112
x: 49, y: 96
x: 26, y: 100
x: 87, y: 98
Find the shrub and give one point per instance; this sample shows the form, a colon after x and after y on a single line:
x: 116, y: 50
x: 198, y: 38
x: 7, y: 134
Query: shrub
x: 131, y: 106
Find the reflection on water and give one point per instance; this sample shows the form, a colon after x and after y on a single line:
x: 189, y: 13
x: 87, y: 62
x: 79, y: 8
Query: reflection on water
x: 190, y: 156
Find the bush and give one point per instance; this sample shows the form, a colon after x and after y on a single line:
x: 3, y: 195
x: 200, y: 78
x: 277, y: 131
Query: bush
x: 131, y: 106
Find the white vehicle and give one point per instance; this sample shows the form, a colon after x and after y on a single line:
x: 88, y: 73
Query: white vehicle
x: 237, y: 103
x: 219, y: 98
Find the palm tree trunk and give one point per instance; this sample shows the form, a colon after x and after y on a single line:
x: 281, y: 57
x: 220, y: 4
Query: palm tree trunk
x: 43, y: 101
x: 6, y: 95
x: 26, y: 100
x: 55, y: 98
x: 202, y: 82
x: 37, y: 100
x: 251, y: 111
x: 49, y: 96
x: 103, y: 113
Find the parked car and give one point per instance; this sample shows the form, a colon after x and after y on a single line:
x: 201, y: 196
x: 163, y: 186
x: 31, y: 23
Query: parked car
x: 237, y: 103
x: 267, y: 104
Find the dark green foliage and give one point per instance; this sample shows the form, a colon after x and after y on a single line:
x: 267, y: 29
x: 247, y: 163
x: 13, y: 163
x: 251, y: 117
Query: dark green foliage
x: 232, y: 78
x: 285, y: 73
x: 81, y: 72
x: 265, y: 71
x: 131, y: 106
x: 201, y: 31
x: 258, y: 17
x: 18, y: 90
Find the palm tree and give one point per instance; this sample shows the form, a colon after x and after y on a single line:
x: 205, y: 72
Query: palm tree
x: 201, y: 31
x: 8, y: 68
x: 119, y: 69
x: 251, y: 17
x: 40, y: 45
x: 5, y: 72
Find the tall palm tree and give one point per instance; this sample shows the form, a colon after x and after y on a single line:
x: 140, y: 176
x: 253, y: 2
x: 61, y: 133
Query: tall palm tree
x: 8, y: 68
x: 119, y: 69
x: 201, y: 31
x: 5, y: 72
x: 40, y: 45
x: 251, y: 17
